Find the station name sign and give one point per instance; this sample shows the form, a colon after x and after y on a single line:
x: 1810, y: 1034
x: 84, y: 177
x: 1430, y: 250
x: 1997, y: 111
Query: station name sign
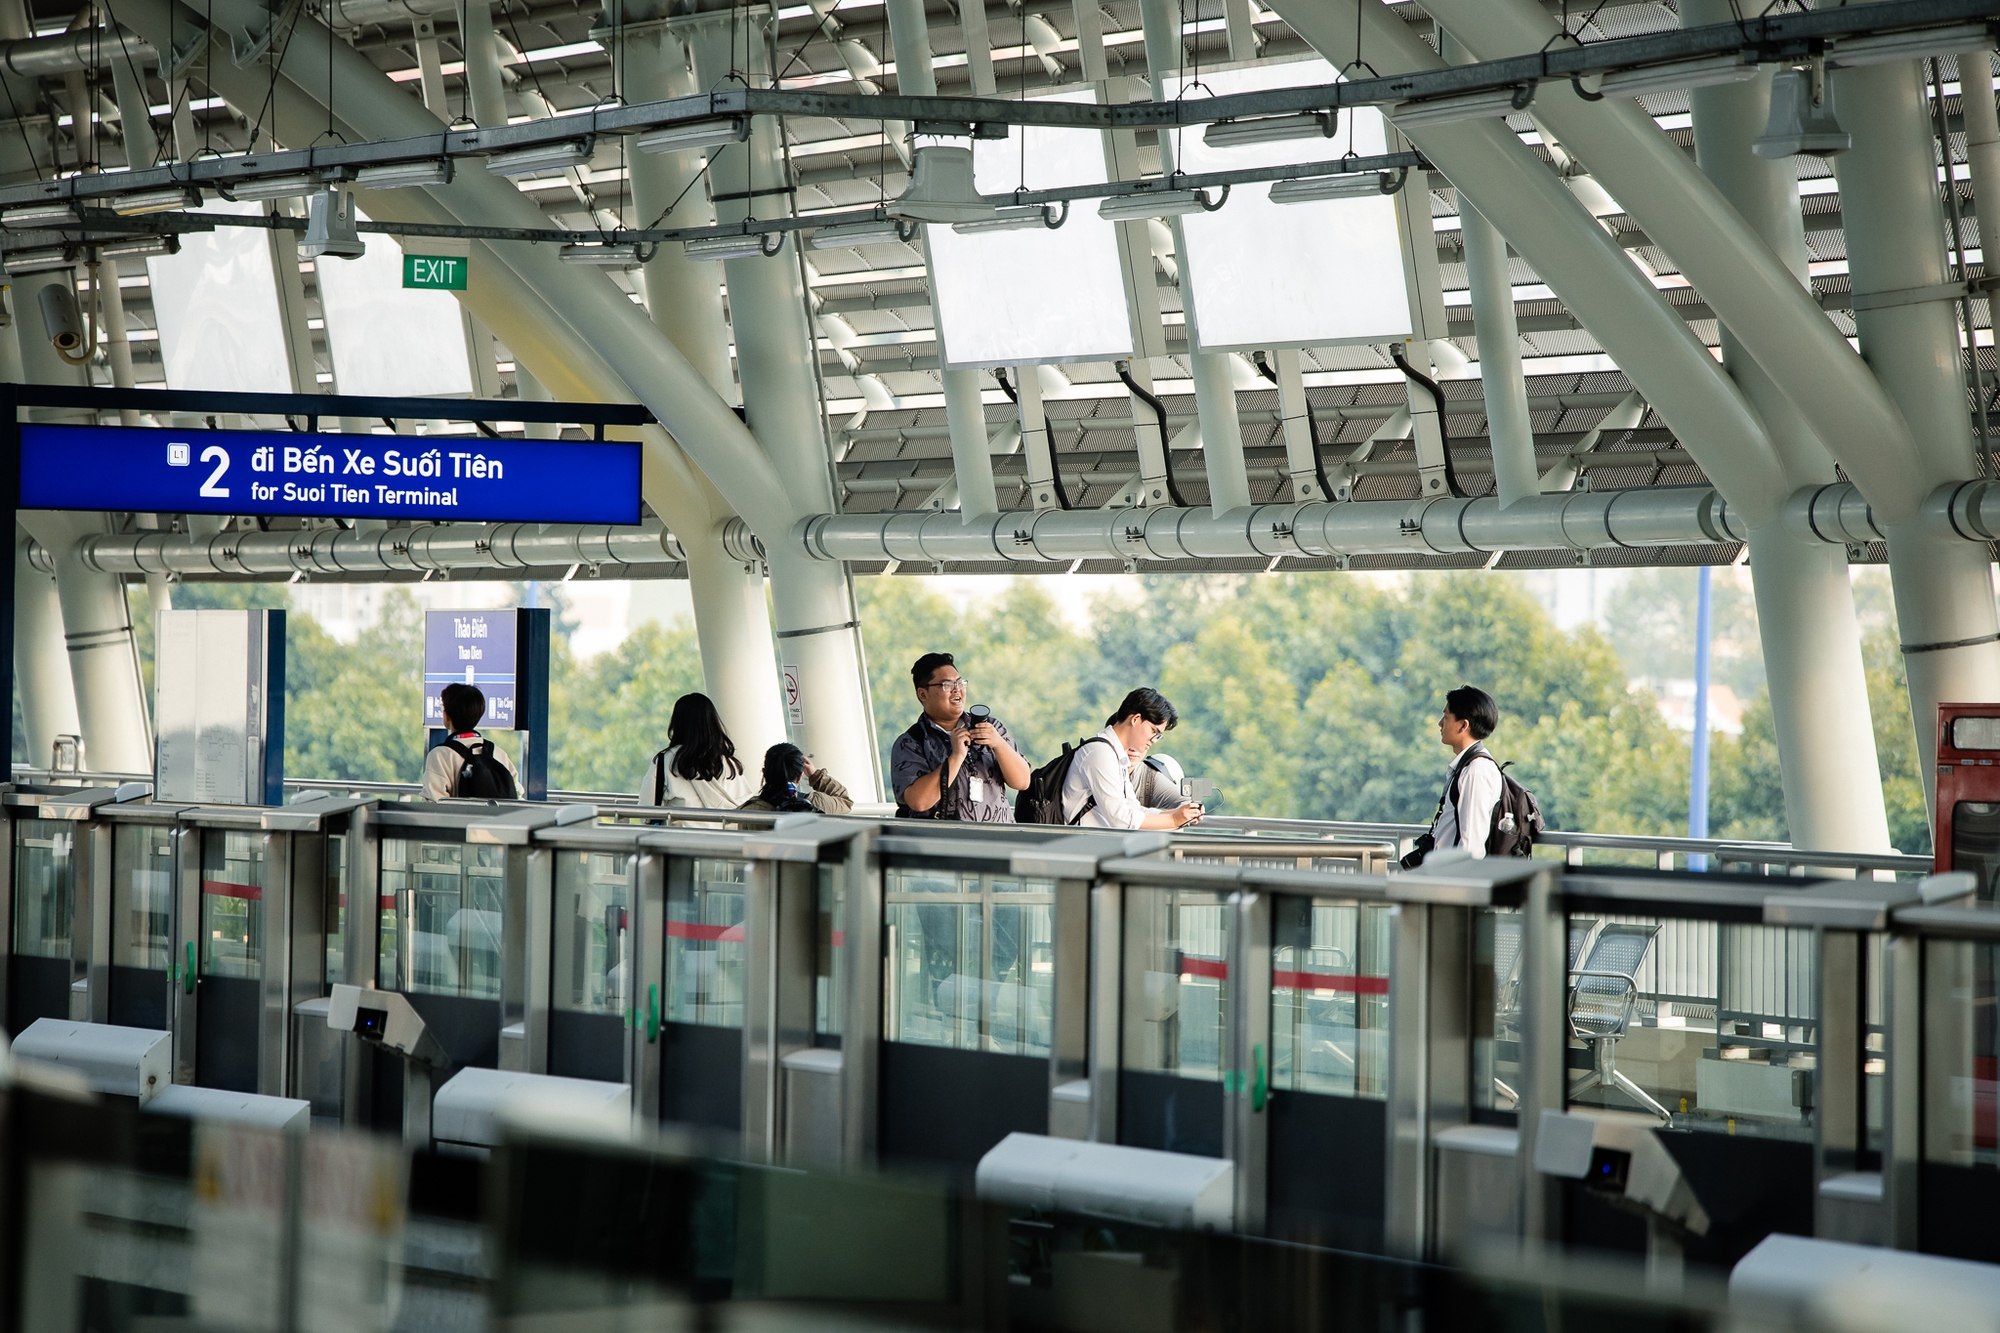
x: 274, y: 474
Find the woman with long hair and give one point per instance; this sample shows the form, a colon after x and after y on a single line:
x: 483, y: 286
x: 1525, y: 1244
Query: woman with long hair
x: 784, y: 767
x: 699, y: 767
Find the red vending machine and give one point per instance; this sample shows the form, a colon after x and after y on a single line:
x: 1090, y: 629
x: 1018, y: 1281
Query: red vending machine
x: 1968, y: 793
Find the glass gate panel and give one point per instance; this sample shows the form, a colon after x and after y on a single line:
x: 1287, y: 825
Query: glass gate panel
x: 1330, y: 997
x: 1176, y: 1009
x: 701, y: 1033
x: 142, y: 895
x: 441, y: 917
x: 1960, y: 1174
x: 230, y: 949
x: 590, y: 971
x: 44, y: 921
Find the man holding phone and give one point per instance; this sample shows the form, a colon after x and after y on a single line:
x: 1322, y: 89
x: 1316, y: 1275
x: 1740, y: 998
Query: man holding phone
x: 954, y: 762
x: 1098, y: 792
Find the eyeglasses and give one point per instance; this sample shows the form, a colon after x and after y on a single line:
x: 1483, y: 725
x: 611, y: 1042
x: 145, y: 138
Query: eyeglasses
x: 958, y: 686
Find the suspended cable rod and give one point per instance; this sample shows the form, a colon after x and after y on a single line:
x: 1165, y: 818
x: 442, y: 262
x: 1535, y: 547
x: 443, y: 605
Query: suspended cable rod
x: 1895, y: 28
x: 92, y: 222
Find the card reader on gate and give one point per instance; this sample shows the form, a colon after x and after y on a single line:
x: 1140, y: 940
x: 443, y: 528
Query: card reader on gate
x: 385, y: 1018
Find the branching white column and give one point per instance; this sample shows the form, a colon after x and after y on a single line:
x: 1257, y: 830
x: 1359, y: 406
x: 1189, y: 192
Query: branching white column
x: 1895, y: 241
x: 1805, y: 603
x: 964, y: 406
x: 1214, y: 384
x: 819, y: 634
x: 41, y: 666
x: 1515, y: 472
x: 732, y: 618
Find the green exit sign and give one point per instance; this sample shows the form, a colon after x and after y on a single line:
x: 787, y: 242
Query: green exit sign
x: 442, y: 272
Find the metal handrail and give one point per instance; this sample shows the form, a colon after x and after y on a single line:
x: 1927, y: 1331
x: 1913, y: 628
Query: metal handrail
x: 1285, y: 834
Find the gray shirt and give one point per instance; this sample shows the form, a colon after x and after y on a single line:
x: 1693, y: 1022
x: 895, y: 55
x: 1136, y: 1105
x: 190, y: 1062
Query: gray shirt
x: 978, y: 794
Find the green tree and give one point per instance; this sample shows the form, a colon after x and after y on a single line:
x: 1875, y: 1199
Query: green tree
x: 608, y: 716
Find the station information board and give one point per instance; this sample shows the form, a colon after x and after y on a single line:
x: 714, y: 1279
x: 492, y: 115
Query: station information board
x: 472, y: 648
x: 304, y: 475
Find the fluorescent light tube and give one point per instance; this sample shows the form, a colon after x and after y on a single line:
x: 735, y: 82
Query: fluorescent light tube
x: 163, y: 200
x: 137, y: 247
x: 1851, y: 52
x: 734, y: 246
x: 1679, y: 74
x: 273, y: 187
x: 1461, y: 106
x: 542, y: 157
x: 606, y: 256
x: 1160, y: 204
x: 18, y: 262
x: 885, y: 231
x: 39, y: 215
x: 1015, y: 219
x: 1269, y: 129
x: 1313, y: 189
x: 694, y: 134
x: 402, y: 175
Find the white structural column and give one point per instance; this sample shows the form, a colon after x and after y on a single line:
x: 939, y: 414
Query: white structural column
x: 1805, y: 603
x: 1894, y: 221
x: 1214, y: 381
x: 1507, y: 426
x: 41, y: 666
x: 1584, y: 266
x: 964, y: 403
x: 819, y: 634
x: 739, y: 662
x: 110, y: 700
x: 482, y: 66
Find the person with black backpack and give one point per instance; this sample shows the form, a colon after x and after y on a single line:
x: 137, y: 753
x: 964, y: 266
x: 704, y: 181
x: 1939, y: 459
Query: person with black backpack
x: 1481, y: 810
x: 466, y: 764
x: 1090, y: 783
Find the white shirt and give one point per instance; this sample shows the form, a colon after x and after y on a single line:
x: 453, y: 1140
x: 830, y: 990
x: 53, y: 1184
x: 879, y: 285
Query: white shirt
x: 1467, y: 818
x: 725, y: 793
x: 442, y: 765
x: 1100, y: 771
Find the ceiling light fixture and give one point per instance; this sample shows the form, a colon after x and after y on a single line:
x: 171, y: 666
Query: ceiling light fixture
x: 602, y: 255
x: 1680, y: 74
x: 1358, y: 185
x: 1851, y: 52
x: 1464, y: 106
x: 741, y: 245
x: 1018, y: 219
x: 273, y: 187
x: 402, y: 175
x: 694, y: 134
x: 137, y: 247
x: 39, y: 215
x: 1159, y: 204
x: 880, y: 231
x: 164, y: 200
x: 330, y: 226
x: 1271, y: 129
x: 19, y: 262
x: 542, y: 157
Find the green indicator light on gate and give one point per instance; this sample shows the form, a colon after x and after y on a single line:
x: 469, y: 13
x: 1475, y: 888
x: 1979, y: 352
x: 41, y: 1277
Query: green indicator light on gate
x: 445, y: 273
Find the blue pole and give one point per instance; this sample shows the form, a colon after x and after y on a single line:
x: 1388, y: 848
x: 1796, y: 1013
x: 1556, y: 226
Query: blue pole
x: 1704, y: 623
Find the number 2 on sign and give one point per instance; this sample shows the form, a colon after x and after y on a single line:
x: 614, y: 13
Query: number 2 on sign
x: 216, y: 454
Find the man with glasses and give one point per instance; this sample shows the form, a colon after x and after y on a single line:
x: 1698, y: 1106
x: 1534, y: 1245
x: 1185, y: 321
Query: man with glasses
x: 1098, y: 791
x: 946, y: 766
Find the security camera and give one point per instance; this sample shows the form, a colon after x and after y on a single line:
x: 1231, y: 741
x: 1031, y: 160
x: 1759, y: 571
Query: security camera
x: 60, y: 319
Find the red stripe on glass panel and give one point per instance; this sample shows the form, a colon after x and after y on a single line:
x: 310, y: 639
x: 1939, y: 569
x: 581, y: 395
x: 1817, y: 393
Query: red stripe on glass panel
x: 1204, y: 967
x: 224, y: 889
x: 1335, y: 981
x: 700, y: 930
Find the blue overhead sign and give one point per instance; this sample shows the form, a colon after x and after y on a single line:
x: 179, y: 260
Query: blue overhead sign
x: 271, y: 474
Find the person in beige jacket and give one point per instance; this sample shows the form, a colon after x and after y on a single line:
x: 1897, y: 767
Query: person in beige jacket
x: 793, y: 782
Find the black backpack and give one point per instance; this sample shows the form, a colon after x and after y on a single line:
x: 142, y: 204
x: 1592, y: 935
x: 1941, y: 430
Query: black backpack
x: 483, y: 778
x: 1517, y: 819
x: 1040, y: 802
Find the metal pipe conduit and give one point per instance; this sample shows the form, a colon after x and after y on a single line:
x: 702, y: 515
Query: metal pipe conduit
x: 1665, y: 516
x: 432, y: 546
x: 69, y: 52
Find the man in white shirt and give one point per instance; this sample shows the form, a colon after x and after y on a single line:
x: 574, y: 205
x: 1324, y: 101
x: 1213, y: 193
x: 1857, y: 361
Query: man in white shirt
x: 464, y: 707
x: 1472, y: 784
x: 1098, y: 791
